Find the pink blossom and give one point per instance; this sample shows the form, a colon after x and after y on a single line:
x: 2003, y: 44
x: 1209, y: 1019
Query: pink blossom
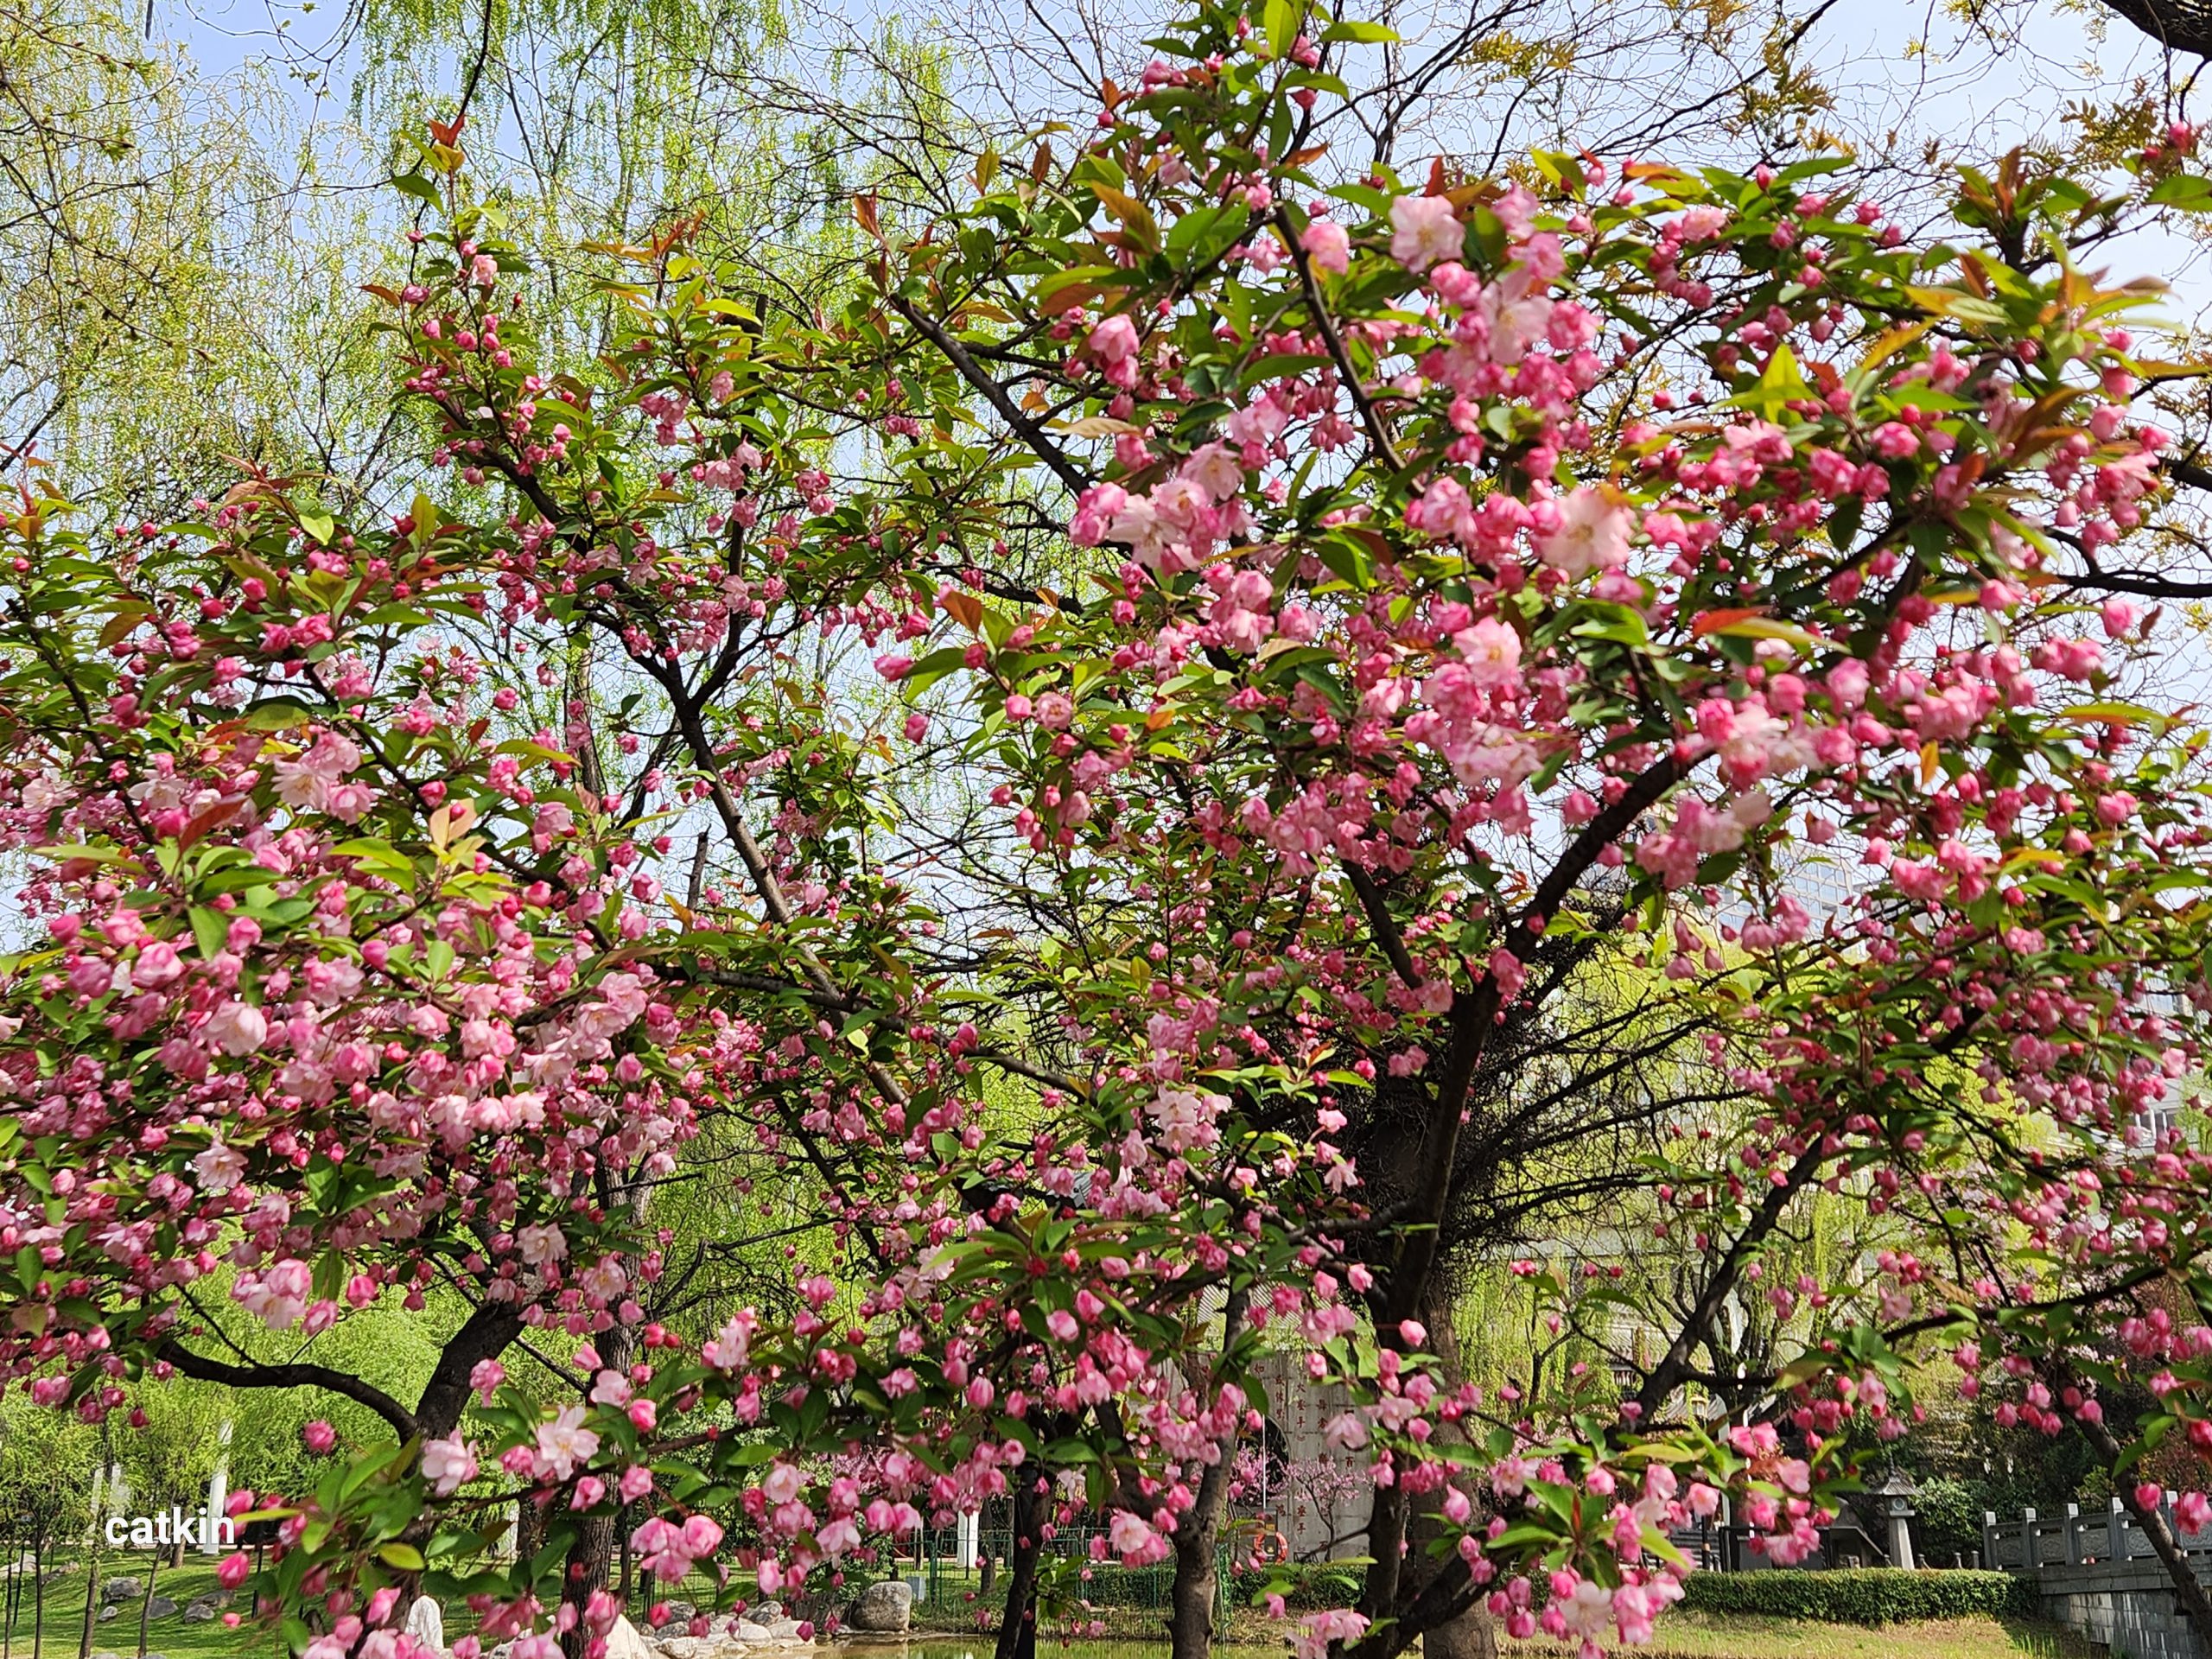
x: 1424, y: 229
x: 1592, y: 534
x: 1327, y: 247
x: 448, y: 1464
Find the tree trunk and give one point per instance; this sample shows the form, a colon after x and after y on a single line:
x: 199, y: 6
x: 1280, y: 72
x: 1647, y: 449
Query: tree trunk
x: 176, y: 1554
x: 91, y: 1592
x: 591, y: 1555
x: 1423, y: 1608
x: 588, y: 1558
x: 2188, y: 1588
x: 623, y: 1529
x: 1470, y: 1636
x: 146, y: 1601
x: 530, y: 1531
x: 486, y: 1336
x: 38, y: 1596
x: 1197, y: 1537
x: 1033, y: 1497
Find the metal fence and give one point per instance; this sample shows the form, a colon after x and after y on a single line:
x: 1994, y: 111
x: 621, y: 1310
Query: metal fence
x: 947, y: 1588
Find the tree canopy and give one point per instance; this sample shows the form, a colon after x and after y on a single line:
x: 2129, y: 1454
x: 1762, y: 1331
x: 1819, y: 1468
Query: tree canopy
x: 859, y: 904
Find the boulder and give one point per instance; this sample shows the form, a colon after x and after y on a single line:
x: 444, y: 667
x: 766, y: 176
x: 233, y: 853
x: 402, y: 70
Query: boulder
x: 110, y: 1611
x: 204, y: 1610
x: 679, y: 1612
x: 623, y: 1641
x: 160, y: 1607
x: 786, y: 1629
x: 767, y: 1611
x: 426, y: 1624
x: 884, y: 1609
x: 749, y: 1632
x: 122, y: 1590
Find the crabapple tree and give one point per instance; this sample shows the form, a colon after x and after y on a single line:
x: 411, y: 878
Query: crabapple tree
x: 1165, y: 666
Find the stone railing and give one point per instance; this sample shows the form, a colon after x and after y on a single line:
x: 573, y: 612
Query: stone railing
x: 2097, y: 1574
x: 2036, y: 1542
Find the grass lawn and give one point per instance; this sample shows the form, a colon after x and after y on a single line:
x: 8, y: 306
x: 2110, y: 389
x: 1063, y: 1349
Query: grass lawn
x: 65, y: 1615
x: 1681, y: 1635
x: 1742, y: 1635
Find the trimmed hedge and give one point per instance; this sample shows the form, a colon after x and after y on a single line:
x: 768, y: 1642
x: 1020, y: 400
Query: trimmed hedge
x: 1304, y: 1586
x: 1862, y: 1595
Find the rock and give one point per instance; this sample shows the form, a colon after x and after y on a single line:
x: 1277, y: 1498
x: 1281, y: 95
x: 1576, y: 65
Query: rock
x: 692, y: 1647
x: 160, y: 1607
x: 122, y: 1590
x: 768, y: 1611
x: 749, y: 1632
x: 110, y: 1611
x: 680, y: 1612
x: 882, y: 1609
x: 203, y: 1611
x: 786, y: 1629
x: 623, y: 1641
x: 426, y: 1624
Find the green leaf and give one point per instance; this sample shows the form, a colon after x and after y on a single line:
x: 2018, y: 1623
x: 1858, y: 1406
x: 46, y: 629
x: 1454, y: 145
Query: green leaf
x: 1358, y: 34
x: 2186, y: 190
x: 1780, y: 382
x: 210, y: 931
x: 414, y: 185
x: 405, y: 1557
x: 1202, y: 235
x: 1281, y: 20
x: 276, y: 715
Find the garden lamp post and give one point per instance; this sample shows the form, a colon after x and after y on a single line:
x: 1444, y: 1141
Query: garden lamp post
x: 1897, y: 1494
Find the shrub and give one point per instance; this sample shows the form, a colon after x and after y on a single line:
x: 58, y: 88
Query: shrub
x: 1304, y: 1586
x: 1947, y: 1516
x: 1867, y: 1596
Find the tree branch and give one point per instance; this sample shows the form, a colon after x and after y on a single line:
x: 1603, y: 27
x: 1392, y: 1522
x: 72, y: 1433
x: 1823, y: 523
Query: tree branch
x: 202, y: 1369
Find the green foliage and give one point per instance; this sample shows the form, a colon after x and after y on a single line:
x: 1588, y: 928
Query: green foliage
x: 1870, y: 1596
x: 1949, y: 1518
x: 1303, y: 1585
x: 47, y: 1461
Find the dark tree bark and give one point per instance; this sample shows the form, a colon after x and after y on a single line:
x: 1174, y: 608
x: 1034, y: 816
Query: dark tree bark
x: 2188, y: 1588
x: 1470, y: 1634
x: 529, y: 1529
x: 591, y: 1555
x: 2183, y: 25
x: 1032, y: 1507
x: 146, y: 1601
x: 1197, y: 1539
x: 91, y: 1592
x: 485, y: 1336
